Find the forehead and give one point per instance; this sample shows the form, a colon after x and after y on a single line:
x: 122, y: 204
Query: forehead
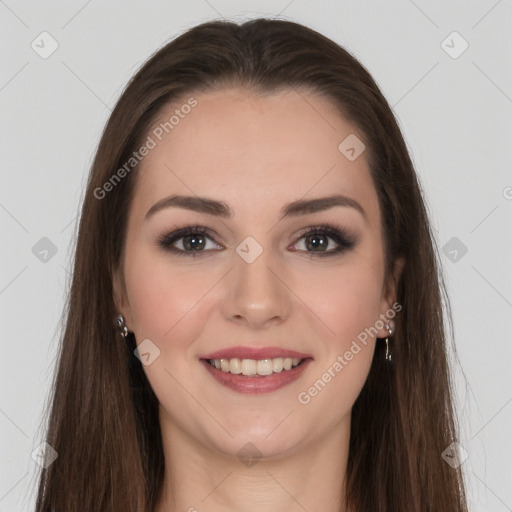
x: 252, y: 151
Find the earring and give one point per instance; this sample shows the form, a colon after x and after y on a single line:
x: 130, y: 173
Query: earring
x: 388, y: 352
x: 122, y: 325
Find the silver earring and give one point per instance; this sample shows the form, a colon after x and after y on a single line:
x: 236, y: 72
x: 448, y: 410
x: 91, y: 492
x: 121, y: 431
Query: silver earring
x: 388, y: 352
x: 123, y: 330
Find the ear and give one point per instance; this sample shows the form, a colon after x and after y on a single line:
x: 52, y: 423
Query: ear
x: 389, y: 295
x: 120, y: 296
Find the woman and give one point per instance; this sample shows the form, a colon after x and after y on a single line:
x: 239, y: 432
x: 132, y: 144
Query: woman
x: 254, y: 224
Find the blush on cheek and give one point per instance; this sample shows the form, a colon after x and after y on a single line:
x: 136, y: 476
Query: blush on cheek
x: 170, y: 312
x: 348, y: 311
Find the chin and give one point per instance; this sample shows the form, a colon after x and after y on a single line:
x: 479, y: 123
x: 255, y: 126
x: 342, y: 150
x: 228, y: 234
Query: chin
x: 256, y: 442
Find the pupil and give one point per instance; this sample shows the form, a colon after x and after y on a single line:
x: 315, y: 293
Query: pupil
x: 195, y: 242
x: 322, y: 241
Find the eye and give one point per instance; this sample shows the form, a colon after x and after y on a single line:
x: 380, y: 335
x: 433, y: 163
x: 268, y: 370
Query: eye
x: 192, y: 239
x: 316, y: 240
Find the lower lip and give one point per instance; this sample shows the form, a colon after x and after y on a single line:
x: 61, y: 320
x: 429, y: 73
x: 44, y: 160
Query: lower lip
x: 258, y: 384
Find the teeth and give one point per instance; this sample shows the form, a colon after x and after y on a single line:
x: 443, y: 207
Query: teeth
x: 277, y: 364
x: 251, y: 367
x: 235, y: 365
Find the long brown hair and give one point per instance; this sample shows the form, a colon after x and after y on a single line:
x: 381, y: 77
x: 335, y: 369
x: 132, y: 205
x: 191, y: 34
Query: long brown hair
x: 104, y: 422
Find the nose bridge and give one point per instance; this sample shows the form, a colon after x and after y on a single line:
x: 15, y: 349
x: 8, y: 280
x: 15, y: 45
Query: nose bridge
x: 256, y: 289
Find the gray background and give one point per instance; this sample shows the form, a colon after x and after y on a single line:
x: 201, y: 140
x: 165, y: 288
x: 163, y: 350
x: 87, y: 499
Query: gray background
x: 456, y: 117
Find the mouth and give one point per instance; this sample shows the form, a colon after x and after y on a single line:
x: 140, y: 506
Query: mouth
x: 256, y: 367
x: 256, y: 375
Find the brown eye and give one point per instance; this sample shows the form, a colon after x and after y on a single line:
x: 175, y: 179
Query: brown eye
x: 193, y: 241
x: 318, y: 239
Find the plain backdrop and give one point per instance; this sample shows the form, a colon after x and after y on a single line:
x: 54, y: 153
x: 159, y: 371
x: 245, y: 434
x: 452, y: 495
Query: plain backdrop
x: 451, y: 93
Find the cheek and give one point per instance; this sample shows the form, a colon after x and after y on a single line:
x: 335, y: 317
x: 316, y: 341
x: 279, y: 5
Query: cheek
x: 346, y: 301
x: 348, y: 308
x: 165, y: 302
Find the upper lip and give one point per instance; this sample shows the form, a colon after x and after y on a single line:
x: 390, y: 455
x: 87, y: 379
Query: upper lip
x: 255, y: 353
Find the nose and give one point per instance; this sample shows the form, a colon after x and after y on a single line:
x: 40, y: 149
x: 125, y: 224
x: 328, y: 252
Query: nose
x: 256, y: 293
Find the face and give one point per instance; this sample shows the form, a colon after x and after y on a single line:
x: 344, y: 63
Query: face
x: 254, y: 271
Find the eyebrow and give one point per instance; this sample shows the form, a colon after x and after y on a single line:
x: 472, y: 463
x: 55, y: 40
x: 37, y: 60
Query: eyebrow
x: 221, y: 209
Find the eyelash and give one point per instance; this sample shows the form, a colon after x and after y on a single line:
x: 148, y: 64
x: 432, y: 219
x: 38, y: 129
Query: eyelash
x: 344, y: 240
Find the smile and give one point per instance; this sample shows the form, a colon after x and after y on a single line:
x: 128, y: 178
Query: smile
x: 251, y: 367
x: 256, y: 376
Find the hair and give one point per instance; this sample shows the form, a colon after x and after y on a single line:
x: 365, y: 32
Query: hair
x: 104, y: 420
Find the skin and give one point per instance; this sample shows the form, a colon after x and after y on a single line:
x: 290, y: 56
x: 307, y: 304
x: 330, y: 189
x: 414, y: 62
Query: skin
x: 256, y: 154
